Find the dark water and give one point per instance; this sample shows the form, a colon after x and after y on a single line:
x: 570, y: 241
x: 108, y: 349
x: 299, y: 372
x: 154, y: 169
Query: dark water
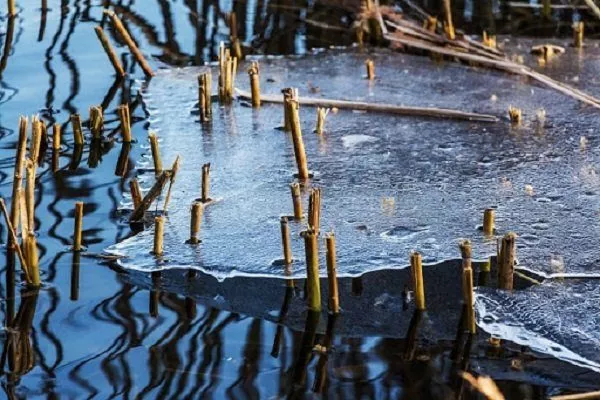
x: 96, y: 332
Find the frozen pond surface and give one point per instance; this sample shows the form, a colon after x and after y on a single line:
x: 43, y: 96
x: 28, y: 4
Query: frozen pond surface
x: 390, y: 184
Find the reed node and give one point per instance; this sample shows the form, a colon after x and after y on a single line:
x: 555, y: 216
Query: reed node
x: 227, y: 73
x: 334, y: 301
x: 515, y: 115
x: 314, y: 210
x: 321, y: 115
x: 205, y: 183
x: 159, y: 229
x: 313, y: 287
x: 110, y: 52
x: 137, y: 54
x: 197, y: 211
x: 489, y: 221
x: 297, y: 200
x: 506, y: 261
x: 299, y: 152
x: 370, y: 65
x: 578, y: 29
x: 465, y: 252
x: 77, y: 129
x: 136, y: 192
x: 78, y: 228
x: 416, y: 266
x: 286, y: 241
x: 158, y: 167
x: 254, y: 74
x: 96, y: 121
x: 125, y: 120
x: 204, y: 96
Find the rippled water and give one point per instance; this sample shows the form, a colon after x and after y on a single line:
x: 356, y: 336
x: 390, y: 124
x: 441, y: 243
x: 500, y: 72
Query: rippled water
x: 96, y: 331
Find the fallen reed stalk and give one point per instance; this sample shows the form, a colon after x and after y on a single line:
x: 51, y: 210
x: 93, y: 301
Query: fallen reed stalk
x: 158, y: 167
x: 377, y: 108
x: 299, y: 152
x: 78, y: 227
x: 77, y: 129
x: 96, y: 121
x: 125, y: 120
x: 370, y: 66
x: 334, y: 301
x: 110, y: 52
x: 153, y: 193
x: 18, y: 174
x: 137, y: 54
x: 286, y: 241
x: 205, y: 198
x: 254, y: 72
x: 159, y: 229
x: 174, y: 170
x: 416, y: 266
x: 204, y: 96
x: 506, y: 261
x: 136, y: 192
x: 297, y: 200
x: 13, y: 239
x: 489, y: 221
x: 321, y: 115
x: 311, y: 248
x: 577, y: 396
x: 196, y: 220
x: 467, y: 286
x: 314, y: 210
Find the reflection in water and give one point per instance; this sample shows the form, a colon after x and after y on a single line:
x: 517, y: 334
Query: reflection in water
x: 113, y: 339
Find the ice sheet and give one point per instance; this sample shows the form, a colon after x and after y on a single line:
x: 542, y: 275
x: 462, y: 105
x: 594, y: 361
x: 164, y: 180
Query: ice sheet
x: 390, y: 184
x: 557, y: 318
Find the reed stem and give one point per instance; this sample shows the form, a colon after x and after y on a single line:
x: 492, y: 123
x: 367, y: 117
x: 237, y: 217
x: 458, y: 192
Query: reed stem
x: 153, y: 193
x: 448, y: 25
x: 416, y: 265
x: 77, y: 129
x: 204, y: 96
x: 314, y: 210
x: 36, y: 140
x: 254, y: 74
x: 158, y: 167
x: 136, y: 192
x: 299, y: 151
x: 56, y: 137
x: 288, y: 94
x: 110, y: 52
x: 205, y: 183
x: 12, y: 9
x: 297, y: 200
x: 506, y: 261
x: 196, y: 221
x: 125, y: 120
x: 78, y: 228
x: 321, y: 115
x: 578, y: 30
x: 370, y: 65
x: 18, y: 174
x: 286, y: 241
x: 96, y: 121
x: 334, y: 301
x: 32, y: 260
x: 489, y: 218
x: 313, y: 286
x: 30, y: 194
x: 159, y: 228
x: 467, y: 287
x: 12, y: 234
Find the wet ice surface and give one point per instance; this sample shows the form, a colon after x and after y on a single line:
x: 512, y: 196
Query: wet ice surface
x: 557, y: 318
x: 390, y: 184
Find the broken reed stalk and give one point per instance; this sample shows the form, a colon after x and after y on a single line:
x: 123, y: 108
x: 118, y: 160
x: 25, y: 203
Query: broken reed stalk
x: 297, y: 200
x: 254, y: 74
x: 448, y: 25
x: 467, y: 286
x: 370, y: 65
x: 96, y: 121
x: 36, y: 139
x: 321, y: 115
x: 12, y: 9
x: 158, y: 167
x: 110, y: 52
x: 515, y: 114
x: 77, y: 129
x: 227, y: 73
x: 56, y: 137
x: 12, y: 235
x: 430, y: 112
x: 205, y: 183
x: 78, y: 227
x: 578, y: 34
x: 174, y: 169
x: 153, y: 193
x: 125, y: 120
x: 334, y: 301
x: 313, y: 287
x: 416, y: 265
x: 299, y: 151
x: 204, y: 96
x: 159, y: 229
x: 18, y: 174
x: 286, y: 241
x: 32, y: 259
x: 314, y: 210
x: 506, y: 261
x: 30, y: 194
x: 196, y: 221
x: 288, y: 94
x: 489, y: 218
x: 136, y: 193
x: 137, y: 54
